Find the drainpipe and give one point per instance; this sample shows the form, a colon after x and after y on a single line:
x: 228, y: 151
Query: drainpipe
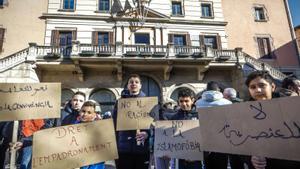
x: 288, y: 12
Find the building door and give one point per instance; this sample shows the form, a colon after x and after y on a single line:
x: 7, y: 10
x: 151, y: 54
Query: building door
x: 65, y: 42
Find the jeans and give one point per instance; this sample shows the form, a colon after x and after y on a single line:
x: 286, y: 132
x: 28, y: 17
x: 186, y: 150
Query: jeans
x: 26, y: 157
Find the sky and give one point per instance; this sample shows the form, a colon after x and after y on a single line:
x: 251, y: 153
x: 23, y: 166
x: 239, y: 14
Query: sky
x: 295, y: 11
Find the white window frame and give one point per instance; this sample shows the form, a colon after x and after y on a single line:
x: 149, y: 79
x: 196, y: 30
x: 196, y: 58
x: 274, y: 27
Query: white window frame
x: 260, y: 6
x: 67, y: 10
x: 182, y: 8
x: 211, y: 9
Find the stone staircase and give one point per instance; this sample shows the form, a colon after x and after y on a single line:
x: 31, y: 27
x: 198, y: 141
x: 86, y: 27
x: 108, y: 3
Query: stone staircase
x: 13, y: 60
x: 259, y: 65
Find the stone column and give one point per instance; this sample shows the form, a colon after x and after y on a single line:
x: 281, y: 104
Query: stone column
x: 171, y: 50
x: 75, y: 48
x: 32, y: 52
x: 119, y: 49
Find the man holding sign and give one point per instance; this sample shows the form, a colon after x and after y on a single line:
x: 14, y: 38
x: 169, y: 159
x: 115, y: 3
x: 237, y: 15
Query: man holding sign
x: 133, y: 145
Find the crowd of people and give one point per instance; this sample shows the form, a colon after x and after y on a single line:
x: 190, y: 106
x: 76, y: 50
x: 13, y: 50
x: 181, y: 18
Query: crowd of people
x: 135, y: 147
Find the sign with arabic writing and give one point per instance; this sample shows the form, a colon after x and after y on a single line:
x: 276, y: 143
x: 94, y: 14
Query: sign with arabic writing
x: 269, y: 128
x: 136, y: 113
x: 21, y: 101
x: 74, y: 146
x: 178, y: 139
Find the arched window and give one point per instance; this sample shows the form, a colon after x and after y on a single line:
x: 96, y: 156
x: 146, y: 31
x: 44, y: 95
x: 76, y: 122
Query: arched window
x: 150, y: 87
x: 105, y: 98
x: 66, y: 95
x: 174, y: 95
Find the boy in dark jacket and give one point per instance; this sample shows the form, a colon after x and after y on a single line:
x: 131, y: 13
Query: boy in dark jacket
x: 131, y: 154
x: 186, y: 112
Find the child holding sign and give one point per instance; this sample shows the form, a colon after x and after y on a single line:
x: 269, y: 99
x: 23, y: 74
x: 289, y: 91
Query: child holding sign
x: 261, y: 87
x: 88, y: 114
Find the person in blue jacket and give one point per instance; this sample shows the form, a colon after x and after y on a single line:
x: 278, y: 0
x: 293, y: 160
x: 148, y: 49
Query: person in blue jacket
x: 131, y: 154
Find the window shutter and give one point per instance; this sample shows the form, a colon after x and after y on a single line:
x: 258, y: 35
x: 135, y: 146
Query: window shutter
x: 261, y: 47
x: 55, y: 38
x: 111, y: 38
x: 267, y: 47
x: 74, y: 34
x: 95, y: 38
x: 201, y: 39
x: 188, y: 40
x: 219, y: 43
x: 2, y: 30
x: 170, y: 40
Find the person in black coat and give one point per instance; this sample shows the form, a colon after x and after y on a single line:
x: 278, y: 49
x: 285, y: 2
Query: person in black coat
x: 6, y: 129
x: 186, y: 111
x: 131, y: 154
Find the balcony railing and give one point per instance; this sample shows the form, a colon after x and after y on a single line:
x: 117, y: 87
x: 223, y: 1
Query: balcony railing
x: 119, y: 50
x: 145, y: 50
x: 50, y: 51
x: 224, y: 55
x: 99, y: 50
x: 186, y: 51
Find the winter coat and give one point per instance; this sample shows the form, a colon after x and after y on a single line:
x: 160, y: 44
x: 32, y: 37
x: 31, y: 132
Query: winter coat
x: 286, y: 93
x: 126, y: 141
x: 212, y: 98
x: 187, y: 115
x: 68, y: 115
x: 6, y: 129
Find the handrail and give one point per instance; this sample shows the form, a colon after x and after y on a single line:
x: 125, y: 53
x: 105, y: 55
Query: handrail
x: 13, y: 59
x: 259, y: 65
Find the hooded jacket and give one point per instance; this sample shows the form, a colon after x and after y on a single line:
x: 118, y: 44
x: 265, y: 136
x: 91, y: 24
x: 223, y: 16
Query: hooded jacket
x: 212, y: 98
x: 126, y: 139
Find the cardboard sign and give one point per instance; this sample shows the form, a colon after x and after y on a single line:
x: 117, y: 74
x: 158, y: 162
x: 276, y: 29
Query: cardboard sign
x: 21, y: 101
x: 136, y: 113
x: 178, y: 139
x: 268, y: 128
x: 74, y: 145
